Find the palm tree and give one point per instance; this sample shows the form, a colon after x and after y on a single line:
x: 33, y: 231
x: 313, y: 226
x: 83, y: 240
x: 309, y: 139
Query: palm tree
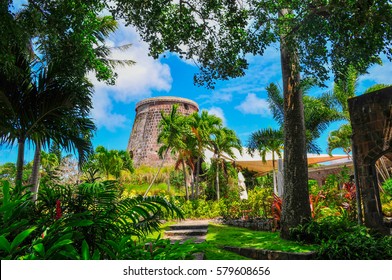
x: 223, y: 142
x: 33, y: 107
x: 49, y: 161
x: 267, y: 141
x: 202, y: 126
x: 340, y: 138
x: 172, y: 130
x: 44, y: 109
x: 343, y: 90
x: 319, y: 113
x: 109, y: 162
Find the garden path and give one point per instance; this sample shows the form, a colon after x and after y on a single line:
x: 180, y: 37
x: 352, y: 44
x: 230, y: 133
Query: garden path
x: 188, y: 229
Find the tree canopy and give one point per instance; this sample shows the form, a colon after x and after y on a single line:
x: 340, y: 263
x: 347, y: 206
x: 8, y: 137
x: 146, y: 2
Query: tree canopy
x: 328, y: 35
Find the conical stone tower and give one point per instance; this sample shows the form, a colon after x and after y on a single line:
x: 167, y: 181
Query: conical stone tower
x: 143, y: 142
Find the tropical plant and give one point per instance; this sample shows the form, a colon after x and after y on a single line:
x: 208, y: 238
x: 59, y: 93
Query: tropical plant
x: 202, y: 126
x: 42, y: 110
x: 341, y: 238
x: 267, y: 141
x: 108, y: 162
x: 8, y: 171
x: 340, y: 138
x: 344, y: 89
x: 173, y: 130
x: 89, y: 221
x: 224, y: 141
x: 319, y: 112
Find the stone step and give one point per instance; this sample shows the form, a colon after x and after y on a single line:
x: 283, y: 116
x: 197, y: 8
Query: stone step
x: 183, y: 238
x: 186, y: 232
x: 188, y: 226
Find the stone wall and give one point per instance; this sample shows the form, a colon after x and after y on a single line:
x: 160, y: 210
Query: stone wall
x: 254, y: 224
x: 371, y: 120
x: 260, y: 254
x: 320, y: 174
x: 143, y: 139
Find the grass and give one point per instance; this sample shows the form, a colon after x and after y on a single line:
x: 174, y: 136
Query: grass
x: 222, y: 235
x: 156, y: 189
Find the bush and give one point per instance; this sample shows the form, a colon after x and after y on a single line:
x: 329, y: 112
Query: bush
x: 339, y: 238
x: 88, y: 221
x: 258, y: 205
x: 387, y: 187
x: 200, y: 209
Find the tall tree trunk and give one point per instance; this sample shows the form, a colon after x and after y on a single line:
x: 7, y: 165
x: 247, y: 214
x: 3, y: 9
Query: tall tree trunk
x: 156, y: 174
x: 197, y: 177
x: 274, y: 173
x: 185, y: 179
x: 217, y: 180
x: 19, y: 162
x: 34, y: 179
x: 296, y: 206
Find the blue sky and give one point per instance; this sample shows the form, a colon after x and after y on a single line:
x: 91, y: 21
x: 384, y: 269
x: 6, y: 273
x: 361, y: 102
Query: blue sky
x: 240, y: 102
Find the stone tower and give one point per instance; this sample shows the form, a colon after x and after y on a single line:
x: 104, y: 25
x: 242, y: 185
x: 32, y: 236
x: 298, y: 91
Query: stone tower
x: 143, y: 140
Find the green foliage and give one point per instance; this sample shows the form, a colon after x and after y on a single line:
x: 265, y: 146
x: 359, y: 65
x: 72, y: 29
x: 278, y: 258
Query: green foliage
x: 200, y: 209
x: 144, y: 175
x: 161, y: 189
x: 106, y: 163
x: 7, y: 170
x: 319, y: 112
x: 387, y: 187
x: 176, y: 178
x: 258, y: 205
x: 386, y: 197
x: 222, y: 235
x: 88, y: 221
x: 336, y: 198
x: 340, y: 238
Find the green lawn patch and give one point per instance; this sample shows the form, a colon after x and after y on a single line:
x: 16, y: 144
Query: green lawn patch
x: 222, y: 235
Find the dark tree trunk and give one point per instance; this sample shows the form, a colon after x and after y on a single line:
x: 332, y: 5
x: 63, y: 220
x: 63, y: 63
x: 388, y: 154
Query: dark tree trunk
x: 296, y: 206
x: 19, y: 162
x: 34, y: 179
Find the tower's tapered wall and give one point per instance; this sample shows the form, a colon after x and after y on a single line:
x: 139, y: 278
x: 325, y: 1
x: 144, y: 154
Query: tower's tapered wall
x: 143, y: 140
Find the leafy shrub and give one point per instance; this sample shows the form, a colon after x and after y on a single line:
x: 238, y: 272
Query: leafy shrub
x: 200, y: 209
x: 339, y: 238
x: 258, y: 205
x: 88, y: 221
x: 259, y: 202
x: 387, y: 187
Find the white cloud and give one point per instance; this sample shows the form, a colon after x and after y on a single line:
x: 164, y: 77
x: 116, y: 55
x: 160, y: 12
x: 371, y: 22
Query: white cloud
x: 379, y: 74
x: 216, y: 111
x: 254, y: 105
x: 103, y: 114
x: 133, y: 82
x: 217, y: 97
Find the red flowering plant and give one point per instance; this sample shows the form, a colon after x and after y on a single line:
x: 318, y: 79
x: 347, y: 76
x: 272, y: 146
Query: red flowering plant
x: 276, y: 211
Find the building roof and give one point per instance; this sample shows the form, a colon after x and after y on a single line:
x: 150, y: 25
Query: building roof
x: 255, y: 163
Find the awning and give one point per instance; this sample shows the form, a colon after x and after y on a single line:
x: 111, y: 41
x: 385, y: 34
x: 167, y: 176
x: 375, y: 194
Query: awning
x: 256, y: 164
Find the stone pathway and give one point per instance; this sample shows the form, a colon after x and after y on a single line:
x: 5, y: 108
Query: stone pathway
x: 188, y: 229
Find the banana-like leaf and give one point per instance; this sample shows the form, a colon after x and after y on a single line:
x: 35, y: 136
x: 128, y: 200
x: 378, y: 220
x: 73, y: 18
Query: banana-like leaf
x: 21, y: 237
x: 4, y: 244
x: 85, y: 251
